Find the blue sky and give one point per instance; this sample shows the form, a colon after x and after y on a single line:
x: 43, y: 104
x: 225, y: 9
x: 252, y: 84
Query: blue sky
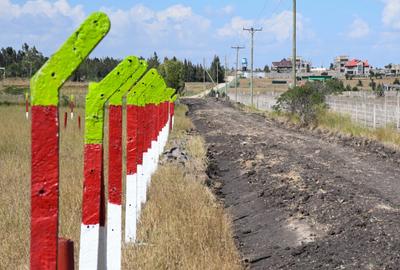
x: 364, y: 29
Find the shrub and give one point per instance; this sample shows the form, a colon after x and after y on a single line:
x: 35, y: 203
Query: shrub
x: 396, y: 81
x: 348, y: 87
x: 305, y: 101
x: 379, y: 91
x: 360, y: 84
x: 354, y: 89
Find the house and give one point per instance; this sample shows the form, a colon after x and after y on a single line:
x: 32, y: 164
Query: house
x: 392, y: 70
x: 357, y: 67
x: 340, y: 62
x: 285, y: 65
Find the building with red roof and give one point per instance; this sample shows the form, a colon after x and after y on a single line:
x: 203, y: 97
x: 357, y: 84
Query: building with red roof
x: 357, y: 67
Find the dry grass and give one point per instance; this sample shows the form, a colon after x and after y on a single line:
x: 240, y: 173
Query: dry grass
x: 172, y: 196
x: 15, y: 185
x: 194, y: 88
x: 343, y: 124
x: 183, y: 226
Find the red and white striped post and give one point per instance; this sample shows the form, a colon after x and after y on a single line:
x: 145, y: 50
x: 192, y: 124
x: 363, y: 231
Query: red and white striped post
x: 27, y: 105
x: 72, y: 105
x: 135, y: 141
x: 114, y: 209
x: 45, y: 85
x: 92, y: 253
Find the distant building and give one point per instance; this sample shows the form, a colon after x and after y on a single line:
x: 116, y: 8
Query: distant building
x: 357, y: 67
x: 285, y: 66
x: 340, y: 62
x: 392, y: 70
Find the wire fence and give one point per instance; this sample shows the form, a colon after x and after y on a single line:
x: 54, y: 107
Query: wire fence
x: 363, y: 108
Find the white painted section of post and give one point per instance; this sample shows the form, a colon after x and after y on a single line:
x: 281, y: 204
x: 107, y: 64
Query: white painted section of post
x: 114, y: 235
x: 131, y: 215
x: 102, y: 248
x: 89, y: 247
x: 72, y: 115
x: 27, y: 115
x: 141, y: 181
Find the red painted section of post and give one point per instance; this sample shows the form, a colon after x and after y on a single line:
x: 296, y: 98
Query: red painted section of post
x: 115, y: 155
x: 93, y: 183
x: 65, y: 260
x: 71, y: 105
x: 79, y: 122
x: 65, y: 119
x: 44, y: 187
x: 170, y: 115
x: 132, y: 137
x: 140, y: 135
x: 27, y: 106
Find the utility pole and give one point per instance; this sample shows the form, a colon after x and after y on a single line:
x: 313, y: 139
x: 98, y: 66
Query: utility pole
x: 226, y: 85
x: 204, y: 74
x: 294, y: 60
x: 252, y: 30
x: 237, y: 48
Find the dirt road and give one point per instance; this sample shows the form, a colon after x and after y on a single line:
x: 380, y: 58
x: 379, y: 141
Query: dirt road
x: 301, y: 199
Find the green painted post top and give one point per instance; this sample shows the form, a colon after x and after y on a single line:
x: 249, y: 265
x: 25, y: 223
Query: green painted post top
x: 156, y: 92
x: 174, y: 97
x: 52, y: 75
x: 100, y: 92
x: 136, y: 95
x: 116, y: 98
x: 170, y: 93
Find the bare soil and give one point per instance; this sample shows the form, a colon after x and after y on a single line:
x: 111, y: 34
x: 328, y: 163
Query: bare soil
x: 301, y: 199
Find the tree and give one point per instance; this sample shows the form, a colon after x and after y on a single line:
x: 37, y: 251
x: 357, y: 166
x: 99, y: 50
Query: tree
x: 267, y: 69
x: 153, y: 62
x: 217, y: 68
x: 172, y: 72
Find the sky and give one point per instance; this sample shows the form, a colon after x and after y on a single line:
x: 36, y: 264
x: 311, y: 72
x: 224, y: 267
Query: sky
x: 362, y: 29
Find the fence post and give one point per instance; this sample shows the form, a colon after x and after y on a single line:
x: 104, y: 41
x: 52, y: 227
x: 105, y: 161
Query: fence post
x: 27, y: 105
x: 114, y: 209
x: 92, y: 253
x: 134, y: 126
x: 45, y: 85
x: 72, y: 105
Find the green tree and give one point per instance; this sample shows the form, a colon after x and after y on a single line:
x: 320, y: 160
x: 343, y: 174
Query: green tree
x: 153, y: 62
x: 267, y: 69
x: 172, y: 71
x: 215, y: 69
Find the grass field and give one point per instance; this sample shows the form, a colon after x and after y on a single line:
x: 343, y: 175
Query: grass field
x: 183, y: 225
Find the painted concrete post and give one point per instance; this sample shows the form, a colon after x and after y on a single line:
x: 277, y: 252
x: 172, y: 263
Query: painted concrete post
x: 114, y: 209
x: 134, y: 125
x: 92, y: 245
x: 151, y: 143
x: 27, y: 105
x: 45, y: 85
x: 72, y: 105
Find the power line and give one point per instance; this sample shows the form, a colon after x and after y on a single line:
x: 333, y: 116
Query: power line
x: 252, y: 30
x: 237, y: 48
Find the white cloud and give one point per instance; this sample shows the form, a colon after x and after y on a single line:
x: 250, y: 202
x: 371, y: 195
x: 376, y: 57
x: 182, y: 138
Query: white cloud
x: 228, y: 9
x: 234, y: 27
x: 43, y: 23
x: 278, y: 27
x: 391, y: 13
x: 358, y: 29
x: 176, y: 26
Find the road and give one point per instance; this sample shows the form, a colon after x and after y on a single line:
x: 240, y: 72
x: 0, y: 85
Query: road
x: 301, y: 199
